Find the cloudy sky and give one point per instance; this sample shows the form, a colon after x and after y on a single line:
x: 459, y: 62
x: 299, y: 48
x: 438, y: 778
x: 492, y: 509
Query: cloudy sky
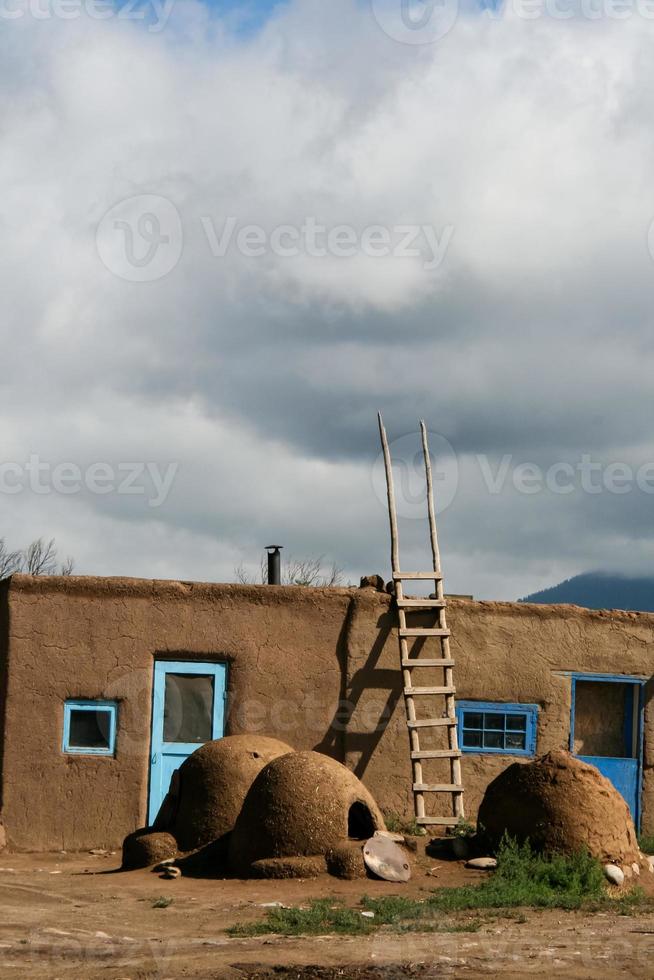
x: 231, y: 234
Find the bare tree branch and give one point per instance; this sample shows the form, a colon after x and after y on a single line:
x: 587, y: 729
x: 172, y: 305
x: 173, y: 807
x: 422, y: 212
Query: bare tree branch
x: 307, y: 572
x: 302, y: 571
x: 336, y: 576
x: 242, y: 576
x: 10, y: 561
x: 67, y: 566
x: 40, y: 558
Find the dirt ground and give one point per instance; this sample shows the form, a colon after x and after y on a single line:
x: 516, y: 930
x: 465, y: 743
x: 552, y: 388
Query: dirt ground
x: 75, y: 916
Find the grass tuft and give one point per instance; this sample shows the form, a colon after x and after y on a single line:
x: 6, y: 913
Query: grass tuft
x: 323, y: 917
x: 523, y: 879
x: 320, y: 918
x: 464, y: 829
x: 403, y: 825
x: 162, y: 903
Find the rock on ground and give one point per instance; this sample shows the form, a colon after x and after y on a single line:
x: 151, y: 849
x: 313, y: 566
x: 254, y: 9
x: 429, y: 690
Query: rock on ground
x: 614, y: 874
x: 482, y: 864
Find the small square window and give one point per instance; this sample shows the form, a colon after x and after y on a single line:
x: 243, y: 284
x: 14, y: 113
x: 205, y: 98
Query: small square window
x: 90, y: 727
x: 507, y: 729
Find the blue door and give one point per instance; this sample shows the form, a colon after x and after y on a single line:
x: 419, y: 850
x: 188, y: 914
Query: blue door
x: 606, y: 730
x: 188, y: 710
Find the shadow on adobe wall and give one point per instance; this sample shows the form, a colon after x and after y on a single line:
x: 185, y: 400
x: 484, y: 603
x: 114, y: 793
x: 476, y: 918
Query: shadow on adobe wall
x: 340, y: 733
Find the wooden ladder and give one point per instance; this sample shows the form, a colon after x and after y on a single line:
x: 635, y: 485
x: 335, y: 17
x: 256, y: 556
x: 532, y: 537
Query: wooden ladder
x: 435, y: 721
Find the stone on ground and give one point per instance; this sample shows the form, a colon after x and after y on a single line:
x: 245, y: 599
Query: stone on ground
x: 482, y: 863
x: 614, y: 874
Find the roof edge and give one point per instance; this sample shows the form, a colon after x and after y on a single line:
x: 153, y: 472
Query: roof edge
x: 88, y: 585
x: 85, y: 585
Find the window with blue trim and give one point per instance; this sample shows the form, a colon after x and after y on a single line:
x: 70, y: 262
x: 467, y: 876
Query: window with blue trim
x: 505, y: 729
x: 90, y: 727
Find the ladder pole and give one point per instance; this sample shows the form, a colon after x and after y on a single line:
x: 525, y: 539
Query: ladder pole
x: 414, y: 737
x: 390, y: 493
x: 433, y: 534
x: 450, y: 701
x: 412, y: 691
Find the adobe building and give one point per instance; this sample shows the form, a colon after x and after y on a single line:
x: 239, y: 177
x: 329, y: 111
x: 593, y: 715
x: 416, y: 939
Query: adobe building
x: 107, y: 684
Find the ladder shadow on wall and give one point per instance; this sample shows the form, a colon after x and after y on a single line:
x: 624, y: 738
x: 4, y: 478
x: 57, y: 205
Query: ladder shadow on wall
x: 341, y: 740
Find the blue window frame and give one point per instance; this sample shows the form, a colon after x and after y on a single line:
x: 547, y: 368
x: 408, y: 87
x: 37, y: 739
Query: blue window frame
x: 502, y: 729
x: 90, y: 727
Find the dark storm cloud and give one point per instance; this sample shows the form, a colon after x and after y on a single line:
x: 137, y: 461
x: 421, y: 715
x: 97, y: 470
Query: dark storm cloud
x: 260, y: 376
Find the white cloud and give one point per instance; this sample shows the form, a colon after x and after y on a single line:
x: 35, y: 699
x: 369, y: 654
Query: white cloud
x: 261, y: 376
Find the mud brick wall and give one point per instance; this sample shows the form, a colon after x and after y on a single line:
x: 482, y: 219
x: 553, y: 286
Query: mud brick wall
x: 505, y: 652
x: 98, y: 639
x: 317, y: 668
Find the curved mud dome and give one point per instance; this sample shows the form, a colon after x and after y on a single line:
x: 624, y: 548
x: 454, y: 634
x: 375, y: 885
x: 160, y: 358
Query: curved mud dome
x: 144, y: 848
x: 560, y: 804
x: 301, y: 804
x: 213, y: 783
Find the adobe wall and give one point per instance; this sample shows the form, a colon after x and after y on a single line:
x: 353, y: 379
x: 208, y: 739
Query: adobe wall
x: 98, y: 638
x: 314, y: 667
x: 504, y: 652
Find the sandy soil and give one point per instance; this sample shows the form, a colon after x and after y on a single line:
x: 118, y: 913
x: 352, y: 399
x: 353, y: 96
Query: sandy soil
x: 67, y: 916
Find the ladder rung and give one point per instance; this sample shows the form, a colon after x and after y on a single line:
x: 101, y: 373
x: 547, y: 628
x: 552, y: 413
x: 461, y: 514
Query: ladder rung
x: 432, y: 723
x: 437, y: 754
x: 418, y: 662
x: 415, y: 631
x: 410, y: 691
x: 438, y: 821
x: 437, y: 788
x: 417, y: 576
x: 421, y: 603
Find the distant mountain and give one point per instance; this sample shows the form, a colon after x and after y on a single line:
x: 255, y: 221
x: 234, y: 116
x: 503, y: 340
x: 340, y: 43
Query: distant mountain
x: 600, y: 590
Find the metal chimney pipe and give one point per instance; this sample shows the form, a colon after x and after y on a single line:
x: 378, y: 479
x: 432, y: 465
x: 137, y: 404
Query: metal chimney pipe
x: 274, y: 564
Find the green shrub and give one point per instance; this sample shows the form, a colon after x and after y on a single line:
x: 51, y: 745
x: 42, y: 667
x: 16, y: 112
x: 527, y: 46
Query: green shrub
x: 524, y: 878
x: 322, y: 917
x: 403, y: 825
x: 464, y: 829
